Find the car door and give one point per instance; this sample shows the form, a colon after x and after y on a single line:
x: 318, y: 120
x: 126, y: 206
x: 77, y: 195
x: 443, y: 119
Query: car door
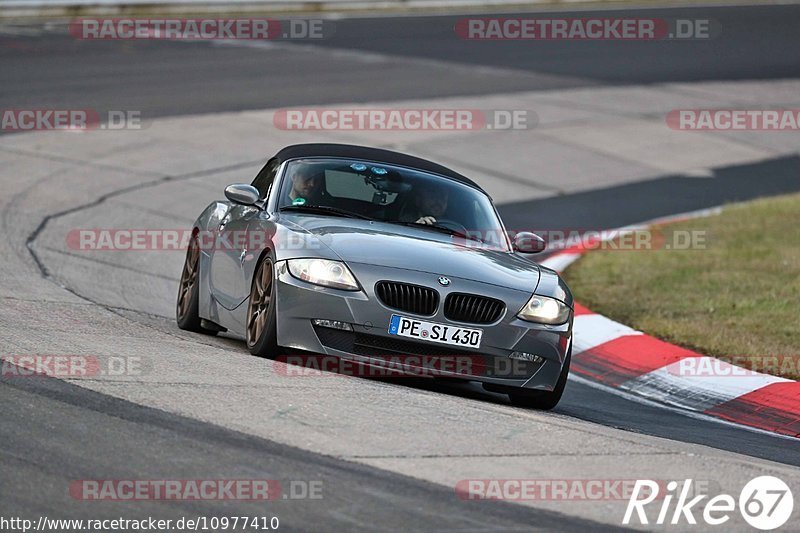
x: 230, y: 283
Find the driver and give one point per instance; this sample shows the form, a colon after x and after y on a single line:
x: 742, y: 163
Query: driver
x: 306, y: 184
x: 427, y: 204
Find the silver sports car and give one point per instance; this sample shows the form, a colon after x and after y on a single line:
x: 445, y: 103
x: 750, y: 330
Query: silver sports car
x: 380, y: 259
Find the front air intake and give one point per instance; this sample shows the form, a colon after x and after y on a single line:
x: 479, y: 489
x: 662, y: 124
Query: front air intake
x: 472, y: 308
x: 413, y: 299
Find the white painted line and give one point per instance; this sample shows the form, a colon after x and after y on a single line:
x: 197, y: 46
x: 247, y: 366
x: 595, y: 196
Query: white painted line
x: 683, y: 411
x: 699, y: 213
x: 593, y: 330
x: 671, y: 384
x: 559, y: 262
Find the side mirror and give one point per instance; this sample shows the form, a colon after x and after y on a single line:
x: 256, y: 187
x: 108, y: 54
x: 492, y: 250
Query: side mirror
x: 528, y: 243
x: 241, y: 193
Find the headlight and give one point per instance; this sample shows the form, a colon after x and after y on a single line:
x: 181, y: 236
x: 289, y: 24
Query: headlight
x: 544, y: 310
x: 323, y: 272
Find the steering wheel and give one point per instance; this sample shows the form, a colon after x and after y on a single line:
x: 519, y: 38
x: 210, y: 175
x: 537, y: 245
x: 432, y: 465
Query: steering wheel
x: 452, y: 225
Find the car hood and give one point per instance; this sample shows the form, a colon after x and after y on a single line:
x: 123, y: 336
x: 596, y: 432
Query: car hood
x: 395, y: 246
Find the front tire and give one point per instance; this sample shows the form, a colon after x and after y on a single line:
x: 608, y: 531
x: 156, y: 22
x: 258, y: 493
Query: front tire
x: 543, y: 400
x: 262, y: 331
x: 187, y: 307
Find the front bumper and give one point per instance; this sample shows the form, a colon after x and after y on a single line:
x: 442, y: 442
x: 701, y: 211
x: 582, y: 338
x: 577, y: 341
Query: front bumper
x: 299, y: 302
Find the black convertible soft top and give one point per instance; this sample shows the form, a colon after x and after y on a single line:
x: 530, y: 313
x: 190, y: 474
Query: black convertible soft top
x: 351, y: 151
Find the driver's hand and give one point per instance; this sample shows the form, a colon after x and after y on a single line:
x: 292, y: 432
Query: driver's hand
x: 426, y: 220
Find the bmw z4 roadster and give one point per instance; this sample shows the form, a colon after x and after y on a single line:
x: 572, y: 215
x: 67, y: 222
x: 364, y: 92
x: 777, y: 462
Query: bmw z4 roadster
x: 369, y: 256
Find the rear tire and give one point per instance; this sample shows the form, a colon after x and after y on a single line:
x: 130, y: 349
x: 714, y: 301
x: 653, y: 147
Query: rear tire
x: 262, y: 330
x: 543, y: 400
x: 187, y: 307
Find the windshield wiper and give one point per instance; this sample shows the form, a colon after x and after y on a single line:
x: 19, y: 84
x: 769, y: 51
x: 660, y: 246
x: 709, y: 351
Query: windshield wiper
x: 434, y: 227
x: 325, y: 210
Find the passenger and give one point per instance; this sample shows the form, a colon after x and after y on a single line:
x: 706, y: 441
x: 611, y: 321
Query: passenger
x: 428, y: 203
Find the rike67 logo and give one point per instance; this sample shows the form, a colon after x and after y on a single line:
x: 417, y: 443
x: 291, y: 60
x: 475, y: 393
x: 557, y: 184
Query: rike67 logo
x: 766, y: 503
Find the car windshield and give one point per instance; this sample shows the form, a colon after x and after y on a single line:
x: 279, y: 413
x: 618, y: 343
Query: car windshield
x: 392, y: 194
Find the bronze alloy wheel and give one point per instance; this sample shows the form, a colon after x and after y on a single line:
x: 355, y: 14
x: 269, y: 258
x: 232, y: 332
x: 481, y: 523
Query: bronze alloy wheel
x: 258, y: 308
x: 188, y: 279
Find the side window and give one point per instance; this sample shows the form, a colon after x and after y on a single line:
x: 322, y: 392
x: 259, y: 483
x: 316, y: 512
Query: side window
x: 265, y: 177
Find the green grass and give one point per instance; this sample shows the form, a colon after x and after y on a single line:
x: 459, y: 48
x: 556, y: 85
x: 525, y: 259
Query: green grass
x: 740, y: 296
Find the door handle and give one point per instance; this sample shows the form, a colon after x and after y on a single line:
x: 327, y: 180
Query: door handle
x: 224, y: 221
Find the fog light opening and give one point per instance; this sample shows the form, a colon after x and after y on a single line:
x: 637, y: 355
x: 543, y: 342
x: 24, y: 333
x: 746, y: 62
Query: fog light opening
x: 524, y: 356
x: 333, y: 324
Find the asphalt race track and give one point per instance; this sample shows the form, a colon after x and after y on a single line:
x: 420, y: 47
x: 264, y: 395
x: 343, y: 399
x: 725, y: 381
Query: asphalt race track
x: 387, y: 453
x: 163, y: 78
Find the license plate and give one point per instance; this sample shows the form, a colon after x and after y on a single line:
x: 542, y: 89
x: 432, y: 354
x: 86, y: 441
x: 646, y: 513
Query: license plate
x: 435, y: 332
